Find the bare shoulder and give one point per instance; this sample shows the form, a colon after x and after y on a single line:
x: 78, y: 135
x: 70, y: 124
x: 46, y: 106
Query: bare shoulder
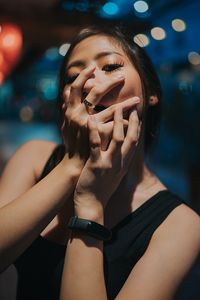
x: 23, y: 169
x: 183, y: 221
x: 172, y: 251
x: 41, y: 151
x: 177, y: 239
x: 36, y: 152
x: 35, y: 145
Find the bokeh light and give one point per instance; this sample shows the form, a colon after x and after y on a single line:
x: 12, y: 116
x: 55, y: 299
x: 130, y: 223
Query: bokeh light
x: 158, y: 33
x: 141, y: 39
x: 178, y: 25
x: 52, y: 53
x: 63, y: 49
x: 141, y: 6
x: 194, y: 58
x: 26, y: 114
x: 48, y: 88
x: 110, y: 8
x: 1, y: 77
x: 10, y: 48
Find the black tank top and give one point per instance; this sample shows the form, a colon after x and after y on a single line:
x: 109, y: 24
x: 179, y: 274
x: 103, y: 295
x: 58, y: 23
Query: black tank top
x: 40, y: 266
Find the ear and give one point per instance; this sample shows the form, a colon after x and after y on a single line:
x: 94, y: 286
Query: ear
x: 153, y: 100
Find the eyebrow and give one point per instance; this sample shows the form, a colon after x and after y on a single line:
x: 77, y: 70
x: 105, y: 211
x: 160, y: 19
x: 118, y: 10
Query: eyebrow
x: 81, y: 63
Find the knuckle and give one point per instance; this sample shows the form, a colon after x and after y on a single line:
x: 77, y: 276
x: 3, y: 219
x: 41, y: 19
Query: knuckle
x: 97, y: 91
x: 74, y: 86
x: 73, y: 119
x: 118, y: 140
x: 132, y: 140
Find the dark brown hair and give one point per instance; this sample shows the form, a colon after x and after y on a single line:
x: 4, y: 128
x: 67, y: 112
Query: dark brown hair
x: 142, y: 63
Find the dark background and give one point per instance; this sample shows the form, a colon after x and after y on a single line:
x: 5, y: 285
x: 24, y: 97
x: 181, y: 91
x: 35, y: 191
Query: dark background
x: 28, y: 89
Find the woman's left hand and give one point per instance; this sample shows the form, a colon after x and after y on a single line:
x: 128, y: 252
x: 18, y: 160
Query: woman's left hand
x: 104, y: 170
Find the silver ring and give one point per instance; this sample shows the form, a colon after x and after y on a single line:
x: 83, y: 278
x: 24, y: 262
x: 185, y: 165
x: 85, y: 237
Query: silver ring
x: 87, y: 103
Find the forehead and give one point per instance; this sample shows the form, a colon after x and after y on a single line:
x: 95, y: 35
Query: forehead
x: 93, y: 45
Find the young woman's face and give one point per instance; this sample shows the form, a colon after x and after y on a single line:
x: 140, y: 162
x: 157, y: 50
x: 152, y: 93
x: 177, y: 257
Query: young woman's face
x: 109, y: 60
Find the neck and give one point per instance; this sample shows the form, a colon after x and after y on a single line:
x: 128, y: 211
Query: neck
x: 139, y: 178
x: 138, y: 185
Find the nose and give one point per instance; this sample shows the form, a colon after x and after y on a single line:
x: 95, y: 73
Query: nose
x: 92, y: 81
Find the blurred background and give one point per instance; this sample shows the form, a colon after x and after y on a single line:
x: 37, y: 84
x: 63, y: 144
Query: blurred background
x: 34, y: 37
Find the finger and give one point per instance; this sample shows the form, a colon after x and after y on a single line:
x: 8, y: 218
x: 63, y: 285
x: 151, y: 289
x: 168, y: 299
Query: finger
x: 118, y: 132
x: 72, y: 138
x: 106, y: 131
x: 76, y: 88
x: 94, y: 139
x: 98, y: 91
x: 107, y: 128
x: 82, y: 143
x: 66, y: 94
x: 131, y: 138
x: 108, y: 113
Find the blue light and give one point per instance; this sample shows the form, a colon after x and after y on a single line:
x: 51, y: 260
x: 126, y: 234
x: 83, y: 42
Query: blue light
x: 68, y: 5
x: 82, y: 6
x: 110, y: 8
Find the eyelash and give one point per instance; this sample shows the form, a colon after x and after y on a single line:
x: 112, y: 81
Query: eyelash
x: 108, y: 68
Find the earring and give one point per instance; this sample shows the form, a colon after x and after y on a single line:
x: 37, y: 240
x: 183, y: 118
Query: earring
x: 153, y: 100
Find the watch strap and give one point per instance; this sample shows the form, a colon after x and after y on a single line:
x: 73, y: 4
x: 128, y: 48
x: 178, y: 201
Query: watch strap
x: 91, y: 228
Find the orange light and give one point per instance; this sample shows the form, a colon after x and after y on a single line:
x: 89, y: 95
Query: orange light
x: 1, y: 60
x: 10, y: 47
x: 1, y: 78
x: 9, y: 40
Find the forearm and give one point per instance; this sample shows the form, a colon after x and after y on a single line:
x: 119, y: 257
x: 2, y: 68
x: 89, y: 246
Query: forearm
x: 25, y: 217
x: 83, y: 274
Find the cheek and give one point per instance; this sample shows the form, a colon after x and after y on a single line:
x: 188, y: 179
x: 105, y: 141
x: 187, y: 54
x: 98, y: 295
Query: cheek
x: 133, y: 86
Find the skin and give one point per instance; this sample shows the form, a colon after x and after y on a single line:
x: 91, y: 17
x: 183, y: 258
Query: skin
x: 28, y: 208
x: 115, y: 171
x: 109, y: 88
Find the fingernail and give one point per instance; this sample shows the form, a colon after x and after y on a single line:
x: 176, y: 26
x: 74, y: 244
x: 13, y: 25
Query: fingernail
x: 91, y: 68
x: 136, y: 99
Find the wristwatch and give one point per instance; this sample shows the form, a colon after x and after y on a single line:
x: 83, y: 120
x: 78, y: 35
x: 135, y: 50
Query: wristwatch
x: 91, y: 228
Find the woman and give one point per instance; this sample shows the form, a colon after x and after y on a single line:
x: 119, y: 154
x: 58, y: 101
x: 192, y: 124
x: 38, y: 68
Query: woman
x: 126, y: 231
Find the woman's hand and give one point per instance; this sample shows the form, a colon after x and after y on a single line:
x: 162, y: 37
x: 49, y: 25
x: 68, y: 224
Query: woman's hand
x: 74, y: 128
x: 104, y: 170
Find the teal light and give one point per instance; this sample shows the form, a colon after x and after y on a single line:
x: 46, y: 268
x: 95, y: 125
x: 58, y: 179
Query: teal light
x: 48, y: 88
x: 110, y: 8
x: 68, y: 5
x: 52, y: 53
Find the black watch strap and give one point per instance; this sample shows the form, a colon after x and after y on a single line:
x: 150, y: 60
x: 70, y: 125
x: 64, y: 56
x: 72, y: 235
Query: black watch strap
x: 91, y: 228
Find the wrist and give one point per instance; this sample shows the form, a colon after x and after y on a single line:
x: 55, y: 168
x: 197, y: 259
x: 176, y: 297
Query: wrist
x: 90, y: 228
x: 89, y: 211
x: 71, y: 166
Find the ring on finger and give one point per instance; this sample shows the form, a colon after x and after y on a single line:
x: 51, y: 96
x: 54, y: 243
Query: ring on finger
x: 87, y: 103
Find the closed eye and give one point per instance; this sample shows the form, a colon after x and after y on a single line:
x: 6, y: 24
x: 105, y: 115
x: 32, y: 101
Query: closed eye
x: 70, y: 79
x: 112, y: 67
